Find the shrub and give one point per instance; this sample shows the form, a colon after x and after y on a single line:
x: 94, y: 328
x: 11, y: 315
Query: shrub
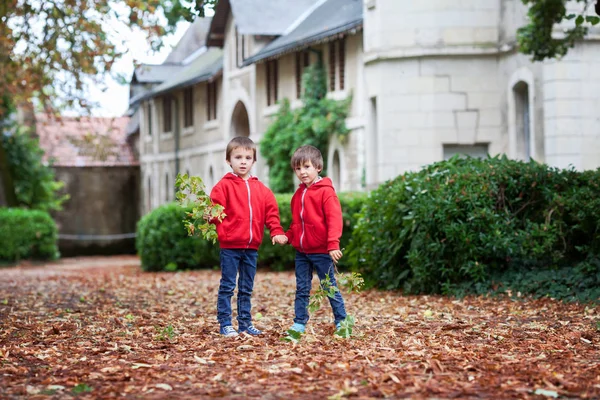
x: 27, y: 234
x: 162, y: 241
x: 467, y: 225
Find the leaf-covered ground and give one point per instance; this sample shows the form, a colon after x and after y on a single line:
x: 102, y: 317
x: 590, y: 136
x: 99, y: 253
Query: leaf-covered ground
x: 102, y: 328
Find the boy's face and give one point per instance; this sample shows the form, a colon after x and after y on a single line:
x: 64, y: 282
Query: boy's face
x: 241, y: 161
x: 306, y: 172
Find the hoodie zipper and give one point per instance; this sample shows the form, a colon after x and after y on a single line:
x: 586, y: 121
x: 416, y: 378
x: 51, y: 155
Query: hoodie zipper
x: 250, y: 207
x: 302, y: 217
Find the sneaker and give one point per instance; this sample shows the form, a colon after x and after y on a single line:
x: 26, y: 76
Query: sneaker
x: 338, y: 325
x: 298, y: 327
x: 228, y: 331
x: 251, y: 330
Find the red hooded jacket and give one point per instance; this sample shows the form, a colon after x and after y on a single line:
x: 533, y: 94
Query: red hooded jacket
x: 249, y: 205
x: 316, y: 218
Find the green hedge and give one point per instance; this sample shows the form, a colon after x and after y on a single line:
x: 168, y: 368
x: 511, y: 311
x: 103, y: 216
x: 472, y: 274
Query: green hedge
x: 27, y: 234
x: 470, y: 225
x: 163, y: 244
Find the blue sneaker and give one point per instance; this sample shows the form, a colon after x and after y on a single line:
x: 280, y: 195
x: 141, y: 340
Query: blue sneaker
x: 251, y: 330
x: 228, y: 331
x: 298, y: 327
x: 338, y: 325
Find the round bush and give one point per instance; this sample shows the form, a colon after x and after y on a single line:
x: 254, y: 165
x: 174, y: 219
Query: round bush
x: 27, y: 234
x: 163, y: 243
x: 468, y: 221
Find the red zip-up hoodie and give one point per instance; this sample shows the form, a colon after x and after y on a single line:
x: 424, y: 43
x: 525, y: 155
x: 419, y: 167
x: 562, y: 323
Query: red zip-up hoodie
x: 317, y: 220
x: 249, y: 205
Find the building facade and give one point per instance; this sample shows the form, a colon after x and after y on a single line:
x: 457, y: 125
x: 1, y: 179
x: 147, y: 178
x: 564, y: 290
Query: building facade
x: 428, y: 80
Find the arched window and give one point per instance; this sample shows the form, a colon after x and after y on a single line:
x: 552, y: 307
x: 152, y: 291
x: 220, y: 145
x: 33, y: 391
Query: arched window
x: 335, y: 174
x: 167, y: 188
x: 149, y: 195
x: 522, y: 121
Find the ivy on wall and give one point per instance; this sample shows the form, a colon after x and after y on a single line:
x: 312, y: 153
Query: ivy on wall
x: 315, y: 123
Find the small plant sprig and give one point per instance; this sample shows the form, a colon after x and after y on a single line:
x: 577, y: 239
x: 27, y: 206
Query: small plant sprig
x: 351, y: 282
x: 191, y: 190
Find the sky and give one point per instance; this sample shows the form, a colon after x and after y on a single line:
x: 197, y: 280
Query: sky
x: 114, y: 100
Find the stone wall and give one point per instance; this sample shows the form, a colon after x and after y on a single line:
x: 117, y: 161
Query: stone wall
x: 103, y: 209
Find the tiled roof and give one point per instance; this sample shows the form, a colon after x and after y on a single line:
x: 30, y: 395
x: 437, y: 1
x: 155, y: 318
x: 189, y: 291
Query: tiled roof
x: 330, y: 18
x: 85, y: 141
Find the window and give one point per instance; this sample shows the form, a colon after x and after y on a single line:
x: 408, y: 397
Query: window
x: 167, y: 114
x: 472, y: 150
x: 211, y: 101
x: 342, y: 62
x: 167, y: 189
x: 272, y: 78
x: 302, y: 61
x: 149, y: 119
x: 241, y: 48
x: 522, y: 121
x: 188, y: 107
x: 337, y: 65
x: 149, y: 195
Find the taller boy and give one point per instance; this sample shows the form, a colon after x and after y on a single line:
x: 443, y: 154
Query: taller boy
x: 315, y: 233
x: 249, y: 205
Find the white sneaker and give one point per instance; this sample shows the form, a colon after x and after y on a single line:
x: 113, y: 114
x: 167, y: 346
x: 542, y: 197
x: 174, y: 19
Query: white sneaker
x: 228, y: 331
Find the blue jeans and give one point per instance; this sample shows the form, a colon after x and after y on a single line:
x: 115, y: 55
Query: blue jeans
x: 234, y: 261
x: 323, y: 264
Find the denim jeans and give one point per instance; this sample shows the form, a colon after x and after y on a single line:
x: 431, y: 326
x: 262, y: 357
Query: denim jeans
x: 234, y: 261
x: 323, y: 264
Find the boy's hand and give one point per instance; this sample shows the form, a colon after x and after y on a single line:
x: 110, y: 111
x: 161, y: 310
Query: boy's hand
x: 336, y: 255
x: 279, y: 239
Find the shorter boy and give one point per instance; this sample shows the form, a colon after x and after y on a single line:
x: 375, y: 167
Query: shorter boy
x: 315, y: 233
x: 248, y: 205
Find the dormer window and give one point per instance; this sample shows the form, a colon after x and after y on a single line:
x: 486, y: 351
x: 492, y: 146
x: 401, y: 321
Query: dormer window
x: 272, y: 76
x: 188, y: 107
x: 241, y: 48
x: 302, y: 62
x: 167, y: 114
x: 337, y: 65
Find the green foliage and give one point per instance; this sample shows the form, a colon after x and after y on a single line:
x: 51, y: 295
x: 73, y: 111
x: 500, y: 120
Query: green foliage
x: 313, y: 124
x: 27, y: 234
x: 82, y: 388
x: 346, y: 326
x: 162, y: 241
x: 461, y: 225
x: 35, y: 184
x: 191, y: 192
x: 536, y: 37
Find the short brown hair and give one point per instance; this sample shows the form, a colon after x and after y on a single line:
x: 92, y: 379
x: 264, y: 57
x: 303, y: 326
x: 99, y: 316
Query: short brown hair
x: 240, y: 141
x: 307, y: 153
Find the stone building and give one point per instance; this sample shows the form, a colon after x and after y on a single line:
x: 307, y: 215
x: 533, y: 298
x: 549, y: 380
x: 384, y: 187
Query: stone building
x: 428, y: 79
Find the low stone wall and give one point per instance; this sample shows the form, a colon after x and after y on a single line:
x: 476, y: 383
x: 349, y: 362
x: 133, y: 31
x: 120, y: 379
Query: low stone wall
x: 101, y: 215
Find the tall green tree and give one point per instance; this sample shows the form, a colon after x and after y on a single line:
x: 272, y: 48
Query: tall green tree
x: 49, y: 49
x: 539, y: 37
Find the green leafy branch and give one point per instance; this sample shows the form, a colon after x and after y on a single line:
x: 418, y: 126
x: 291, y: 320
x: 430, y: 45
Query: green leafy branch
x: 536, y: 38
x: 350, y: 282
x: 191, y: 190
